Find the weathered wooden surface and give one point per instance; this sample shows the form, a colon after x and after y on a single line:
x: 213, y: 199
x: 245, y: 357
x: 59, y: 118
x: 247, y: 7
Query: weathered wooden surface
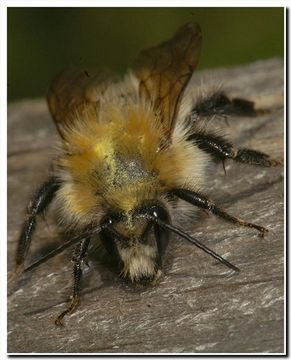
x: 200, y: 306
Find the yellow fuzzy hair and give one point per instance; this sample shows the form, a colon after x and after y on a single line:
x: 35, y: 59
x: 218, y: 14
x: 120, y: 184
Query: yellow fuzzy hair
x: 97, y: 144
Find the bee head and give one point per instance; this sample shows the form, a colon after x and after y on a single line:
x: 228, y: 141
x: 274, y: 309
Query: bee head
x: 137, y: 242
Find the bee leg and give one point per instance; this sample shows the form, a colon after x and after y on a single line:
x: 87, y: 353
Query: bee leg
x: 79, y: 257
x: 220, y: 149
x: 201, y: 201
x: 220, y: 104
x: 38, y: 204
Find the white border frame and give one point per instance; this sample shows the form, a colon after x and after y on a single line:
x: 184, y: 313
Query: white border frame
x: 4, y: 4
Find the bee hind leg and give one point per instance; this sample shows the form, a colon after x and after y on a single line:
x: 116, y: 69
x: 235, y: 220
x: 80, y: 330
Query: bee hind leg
x: 220, y: 104
x: 220, y: 149
x: 79, y: 257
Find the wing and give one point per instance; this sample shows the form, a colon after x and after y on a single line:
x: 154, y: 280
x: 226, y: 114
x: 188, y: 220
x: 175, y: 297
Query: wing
x: 72, y: 91
x: 165, y: 70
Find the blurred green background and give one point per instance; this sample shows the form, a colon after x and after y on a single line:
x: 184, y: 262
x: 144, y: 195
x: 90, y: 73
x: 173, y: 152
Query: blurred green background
x: 42, y: 41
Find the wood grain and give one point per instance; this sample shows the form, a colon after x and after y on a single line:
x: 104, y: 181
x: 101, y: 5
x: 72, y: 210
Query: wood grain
x: 200, y: 306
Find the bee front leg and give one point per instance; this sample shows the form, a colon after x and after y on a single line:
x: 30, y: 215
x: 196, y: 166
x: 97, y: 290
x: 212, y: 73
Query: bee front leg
x: 79, y: 257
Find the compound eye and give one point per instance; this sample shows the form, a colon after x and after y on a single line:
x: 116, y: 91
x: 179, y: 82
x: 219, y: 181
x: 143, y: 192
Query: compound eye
x: 155, y: 212
x: 107, y: 221
x: 162, y: 235
x: 110, y: 218
x: 159, y: 212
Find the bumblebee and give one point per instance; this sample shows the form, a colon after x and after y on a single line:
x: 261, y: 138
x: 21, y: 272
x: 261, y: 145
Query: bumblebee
x: 132, y: 152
